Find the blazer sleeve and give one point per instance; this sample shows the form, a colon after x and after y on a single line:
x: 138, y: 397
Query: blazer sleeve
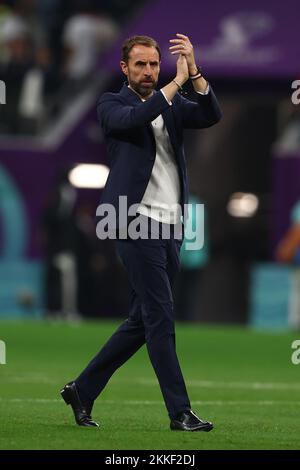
x: 114, y: 114
x: 204, y: 113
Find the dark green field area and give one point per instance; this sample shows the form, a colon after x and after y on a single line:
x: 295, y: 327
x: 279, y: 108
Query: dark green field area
x: 242, y: 380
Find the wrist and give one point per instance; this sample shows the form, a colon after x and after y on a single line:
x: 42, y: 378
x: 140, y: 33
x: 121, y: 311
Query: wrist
x: 197, y: 73
x: 193, y: 70
x: 180, y: 80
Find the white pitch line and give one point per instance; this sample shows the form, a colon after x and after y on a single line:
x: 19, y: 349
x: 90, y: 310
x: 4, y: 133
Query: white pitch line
x: 241, y: 385
x: 153, y: 382
x: 30, y: 400
x: 158, y: 402
x: 28, y: 380
x: 208, y: 403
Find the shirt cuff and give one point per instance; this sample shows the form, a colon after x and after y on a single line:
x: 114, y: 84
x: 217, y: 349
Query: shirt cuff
x: 204, y: 92
x: 169, y: 102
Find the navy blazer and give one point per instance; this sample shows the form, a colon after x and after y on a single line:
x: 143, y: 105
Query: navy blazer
x: 126, y: 122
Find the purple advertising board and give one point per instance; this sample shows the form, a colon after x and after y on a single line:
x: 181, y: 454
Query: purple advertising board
x: 254, y: 38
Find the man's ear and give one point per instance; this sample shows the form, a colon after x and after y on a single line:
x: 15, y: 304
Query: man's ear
x: 124, y: 67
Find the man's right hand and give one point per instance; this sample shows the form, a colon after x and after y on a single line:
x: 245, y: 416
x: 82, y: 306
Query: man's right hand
x: 182, y: 70
x: 182, y: 76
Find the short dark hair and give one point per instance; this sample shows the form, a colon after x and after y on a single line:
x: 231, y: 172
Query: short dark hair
x: 143, y: 41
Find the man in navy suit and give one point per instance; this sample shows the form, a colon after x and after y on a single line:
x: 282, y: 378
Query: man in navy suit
x: 144, y: 134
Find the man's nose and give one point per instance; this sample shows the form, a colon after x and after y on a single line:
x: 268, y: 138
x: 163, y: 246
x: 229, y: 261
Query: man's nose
x: 147, y: 70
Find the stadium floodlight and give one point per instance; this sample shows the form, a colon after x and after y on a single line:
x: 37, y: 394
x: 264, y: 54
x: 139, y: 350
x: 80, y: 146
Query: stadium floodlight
x: 242, y: 204
x: 89, y: 176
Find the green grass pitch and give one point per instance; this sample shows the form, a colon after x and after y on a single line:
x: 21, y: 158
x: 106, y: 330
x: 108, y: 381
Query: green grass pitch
x: 242, y: 380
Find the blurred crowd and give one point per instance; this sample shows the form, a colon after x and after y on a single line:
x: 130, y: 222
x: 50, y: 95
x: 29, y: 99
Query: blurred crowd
x: 49, y: 49
x: 82, y: 272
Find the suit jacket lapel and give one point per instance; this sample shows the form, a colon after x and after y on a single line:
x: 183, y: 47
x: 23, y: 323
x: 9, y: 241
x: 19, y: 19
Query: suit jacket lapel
x: 130, y: 95
x: 133, y: 99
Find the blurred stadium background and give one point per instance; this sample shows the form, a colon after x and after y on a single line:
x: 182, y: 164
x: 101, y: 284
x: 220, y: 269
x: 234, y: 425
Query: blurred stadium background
x: 56, y: 58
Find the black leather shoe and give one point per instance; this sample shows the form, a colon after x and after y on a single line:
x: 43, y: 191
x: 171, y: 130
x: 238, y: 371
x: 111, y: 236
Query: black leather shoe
x: 82, y: 411
x: 188, y: 421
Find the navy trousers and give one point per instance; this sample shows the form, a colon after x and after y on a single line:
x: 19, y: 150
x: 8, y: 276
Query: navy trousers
x: 151, y: 266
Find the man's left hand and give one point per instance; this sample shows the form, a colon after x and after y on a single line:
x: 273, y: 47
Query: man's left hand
x: 182, y: 45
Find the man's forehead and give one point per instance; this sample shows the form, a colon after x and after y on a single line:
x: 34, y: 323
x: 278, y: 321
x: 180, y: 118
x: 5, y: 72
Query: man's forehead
x: 144, y: 53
